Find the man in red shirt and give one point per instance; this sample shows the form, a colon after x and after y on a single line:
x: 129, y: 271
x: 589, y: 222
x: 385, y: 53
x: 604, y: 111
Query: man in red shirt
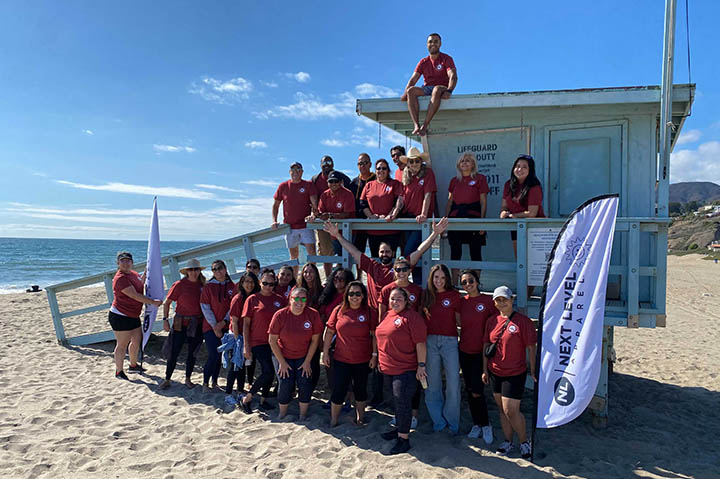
x: 299, y: 198
x: 395, y: 153
x: 337, y: 202
x: 440, y: 74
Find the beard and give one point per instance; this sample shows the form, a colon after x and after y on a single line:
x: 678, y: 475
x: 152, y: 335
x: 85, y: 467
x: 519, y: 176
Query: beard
x: 386, y: 260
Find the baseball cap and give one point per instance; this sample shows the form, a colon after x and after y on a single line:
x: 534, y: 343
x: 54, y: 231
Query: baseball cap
x: 297, y: 164
x: 502, y: 292
x: 334, y: 176
x: 124, y: 255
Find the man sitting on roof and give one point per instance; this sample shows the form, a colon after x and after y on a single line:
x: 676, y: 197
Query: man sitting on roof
x: 438, y: 70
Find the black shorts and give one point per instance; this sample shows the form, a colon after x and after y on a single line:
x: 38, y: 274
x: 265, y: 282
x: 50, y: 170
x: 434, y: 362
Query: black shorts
x: 118, y: 322
x: 511, y: 387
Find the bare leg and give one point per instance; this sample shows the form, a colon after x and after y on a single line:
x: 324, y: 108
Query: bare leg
x: 282, y: 410
x: 294, y: 253
x: 334, y: 413
x: 504, y: 420
x: 511, y: 408
x: 360, y: 411
x: 135, y: 342
x: 404, y: 435
x: 414, y: 107
x: 310, y: 249
x: 122, y: 339
x: 433, y: 107
x: 328, y: 269
x: 304, y: 406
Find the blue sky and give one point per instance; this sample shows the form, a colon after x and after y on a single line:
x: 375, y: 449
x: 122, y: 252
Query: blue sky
x: 103, y: 104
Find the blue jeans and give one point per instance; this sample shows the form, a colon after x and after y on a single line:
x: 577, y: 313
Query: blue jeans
x: 412, y: 241
x: 212, y: 365
x: 442, y: 352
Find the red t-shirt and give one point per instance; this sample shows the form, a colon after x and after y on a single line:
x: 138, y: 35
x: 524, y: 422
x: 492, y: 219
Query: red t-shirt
x: 123, y: 303
x: 509, y: 359
x: 435, y: 72
x: 441, y: 320
x: 467, y: 191
x: 378, y: 275
x: 354, y: 328
x: 414, y: 193
x: 414, y: 295
x: 381, y: 198
x: 321, y: 183
x: 295, y: 198
x: 326, y: 309
x: 186, y: 295
x: 474, y: 314
x: 398, y: 175
x: 397, y: 334
x: 295, y: 332
x: 283, y: 290
x: 260, y: 309
x: 236, y: 307
x: 533, y: 197
x: 218, y: 296
x: 341, y: 202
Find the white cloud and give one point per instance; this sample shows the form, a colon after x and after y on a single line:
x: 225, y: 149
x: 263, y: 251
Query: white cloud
x: 173, y: 149
x: 88, y: 132
x: 696, y: 165
x: 689, y: 136
x: 310, y: 107
x: 269, y: 84
x: 218, y: 187
x: 368, y: 90
x: 334, y: 143
x: 168, y: 191
x: 256, y: 144
x: 262, y: 182
x: 300, y: 77
x: 225, y: 92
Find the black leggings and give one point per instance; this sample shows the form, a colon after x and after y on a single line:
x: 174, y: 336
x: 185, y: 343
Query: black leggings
x: 233, y: 375
x: 472, y: 238
x: 472, y: 369
x: 178, y: 339
x: 404, y: 387
x: 343, y: 375
x: 262, y: 354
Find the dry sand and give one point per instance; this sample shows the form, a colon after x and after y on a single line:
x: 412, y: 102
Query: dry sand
x: 63, y: 414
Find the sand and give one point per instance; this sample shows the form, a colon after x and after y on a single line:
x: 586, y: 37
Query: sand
x: 62, y: 412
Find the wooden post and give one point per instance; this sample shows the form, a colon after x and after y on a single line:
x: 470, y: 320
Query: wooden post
x: 57, y: 319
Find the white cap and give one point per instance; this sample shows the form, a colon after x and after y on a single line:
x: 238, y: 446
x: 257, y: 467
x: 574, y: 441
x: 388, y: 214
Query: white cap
x: 502, y: 292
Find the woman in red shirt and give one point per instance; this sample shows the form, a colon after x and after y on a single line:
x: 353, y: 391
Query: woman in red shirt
x: 294, y: 335
x: 441, y: 305
x: 257, y: 313
x: 352, y: 323
x: 382, y: 199
x: 285, y: 281
x: 309, y: 278
x: 401, y: 337
x: 215, y: 304
x: 125, y: 311
x: 522, y: 194
x: 467, y: 198
x: 475, y: 310
x: 516, y: 338
x: 187, y: 323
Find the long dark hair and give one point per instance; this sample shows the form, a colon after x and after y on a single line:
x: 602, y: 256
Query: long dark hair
x: 346, y: 301
x: 329, y: 292
x: 241, y: 288
x: 313, y: 290
x: 518, y: 190
x: 431, y: 291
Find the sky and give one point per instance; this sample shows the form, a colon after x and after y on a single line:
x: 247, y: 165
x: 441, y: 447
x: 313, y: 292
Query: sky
x: 206, y: 104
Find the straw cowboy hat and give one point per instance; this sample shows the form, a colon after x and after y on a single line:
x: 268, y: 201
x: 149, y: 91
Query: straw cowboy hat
x: 415, y: 153
x: 193, y: 263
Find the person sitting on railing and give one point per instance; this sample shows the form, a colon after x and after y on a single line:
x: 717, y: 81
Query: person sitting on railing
x: 441, y: 305
x: 215, y: 303
x: 382, y: 199
x: 514, y: 338
x: 299, y: 198
x: 364, y: 176
x: 187, y: 323
x: 253, y: 265
x: 124, y: 314
x: 467, y: 198
x: 419, y: 189
x: 247, y: 285
x: 257, y: 313
x: 336, y: 202
x: 475, y: 311
x: 522, y: 194
x: 294, y: 335
x: 285, y: 281
x: 440, y: 75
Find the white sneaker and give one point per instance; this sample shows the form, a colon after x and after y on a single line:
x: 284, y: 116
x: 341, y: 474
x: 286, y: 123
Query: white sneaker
x: 487, y: 434
x: 505, y: 448
x: 230, y: 400
x: 413, y: 422
x: 475, y: 432
x: 392, y: 422
x: 525, y: 450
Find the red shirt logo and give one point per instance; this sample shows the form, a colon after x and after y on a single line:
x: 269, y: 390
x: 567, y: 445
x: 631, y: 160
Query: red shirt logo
x: 472, y: 182
x: 480, y: 308
x: 361, y: 318
x: 446, y: 302
x: 439, y: 67
x: 302, y: 190
x: 421, y: 182
x: 277, y: 304
x: 398, y: 322
x: 307, y: 325
x: 339, y: 205
x: 412, y: 298
x: 512, y: 328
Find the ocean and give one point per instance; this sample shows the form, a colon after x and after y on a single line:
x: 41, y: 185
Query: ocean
x: 28, y: 261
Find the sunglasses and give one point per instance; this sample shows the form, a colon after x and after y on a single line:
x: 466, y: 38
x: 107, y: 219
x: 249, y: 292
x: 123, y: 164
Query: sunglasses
x: 300, y: 300
x: 381, y: 168
x: 253, y: 267
x: 333, y: 181
x: 412, y: 162
x: 221, y: 268
x: 339, y: 279
x: 396, y: 155
x: 355, y: 293
x: 467, y: 281
x: 363, y: 163
x: 192, y: 269
x: 267, y: 283
x: 403, y: 269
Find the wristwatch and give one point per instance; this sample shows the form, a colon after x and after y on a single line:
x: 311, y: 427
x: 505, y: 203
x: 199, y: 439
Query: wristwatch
x: 421, y: 365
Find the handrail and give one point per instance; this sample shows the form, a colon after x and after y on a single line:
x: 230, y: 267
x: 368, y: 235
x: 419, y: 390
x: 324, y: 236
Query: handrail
x: 632, y: 314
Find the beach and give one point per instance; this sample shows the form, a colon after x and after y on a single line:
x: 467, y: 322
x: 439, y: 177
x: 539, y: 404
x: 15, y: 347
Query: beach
x: 64, y: 414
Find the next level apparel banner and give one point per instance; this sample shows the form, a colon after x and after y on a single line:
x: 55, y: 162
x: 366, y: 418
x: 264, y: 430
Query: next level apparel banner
x: 572, y: 312
x: 154, y: 287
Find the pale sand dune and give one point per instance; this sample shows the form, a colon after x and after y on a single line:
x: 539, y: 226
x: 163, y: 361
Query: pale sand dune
x: 63, y: 414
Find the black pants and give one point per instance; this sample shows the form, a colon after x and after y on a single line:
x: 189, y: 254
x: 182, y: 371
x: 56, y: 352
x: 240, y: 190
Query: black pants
x: 345, y: 374
x: 472, y: 369
x: 392, y: 239
x: 234, y: 375
x: 286, y: 386
x: 263, y: 354
x: 315, y: 365
x: 377, y: 384
x: 404, y: 387
x: 472, y: 238
x: 178, y: 339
